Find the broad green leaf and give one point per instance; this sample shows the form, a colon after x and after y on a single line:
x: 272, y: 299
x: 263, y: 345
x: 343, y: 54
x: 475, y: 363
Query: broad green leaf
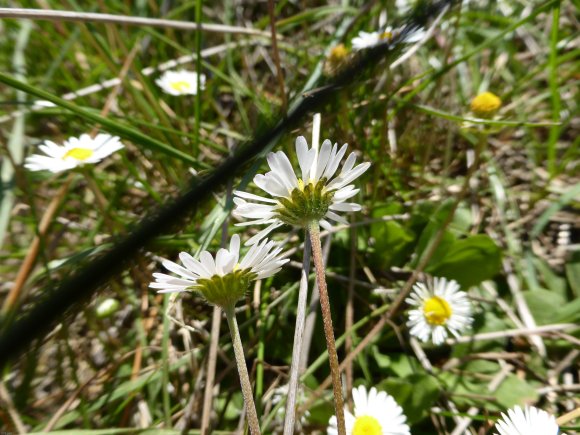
x: 415, y: 393
x: 430, y: 231
x: 573, y: 272
x: 400, y: 365
x: 383, y: 361
x: 553, y: 282
x: 569, y: 313
x: 544, y: 305
x: 392, y: 243
x: 488, y: 322
x: 469, y: 261
x: 464, y: 389
x: 515, y: 391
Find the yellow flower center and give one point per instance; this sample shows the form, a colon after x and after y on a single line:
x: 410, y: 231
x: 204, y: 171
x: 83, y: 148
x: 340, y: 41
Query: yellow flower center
x: 485, y: 105
x: 338, y: 53
x: 80, y: 154
x: 437, y: 311
x: 386, y: 35
x: 180, y: 86
x: 367, y: 425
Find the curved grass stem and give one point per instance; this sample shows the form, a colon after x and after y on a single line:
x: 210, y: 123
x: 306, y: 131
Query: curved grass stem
x: 314, y: 232
x: 251, y: 413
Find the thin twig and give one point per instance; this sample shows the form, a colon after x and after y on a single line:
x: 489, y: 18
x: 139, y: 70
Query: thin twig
x: 563, y: 419
x: 11, y: 409
x: 30, y: 259
x: 92, y: 17
x: 539, y: 330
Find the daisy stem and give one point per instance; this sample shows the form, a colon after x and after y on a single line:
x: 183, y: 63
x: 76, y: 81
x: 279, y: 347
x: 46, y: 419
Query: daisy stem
x: 251, y: 413
x: 314, y: 232
x: 297, y: 347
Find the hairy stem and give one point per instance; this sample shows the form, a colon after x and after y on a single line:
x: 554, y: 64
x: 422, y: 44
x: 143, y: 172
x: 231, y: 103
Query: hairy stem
x: 314, y: 232
x: 251, y: 413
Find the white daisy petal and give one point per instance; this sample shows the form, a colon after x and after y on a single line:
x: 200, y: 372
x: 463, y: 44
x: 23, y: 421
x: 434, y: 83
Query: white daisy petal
x: 323, y: 157
x: 332, y: 165
x: 270, y: 185
x: 281, y: 166
x: 305, y: 156
x: 247, y: 195
x: 529, y: 420
x: 208, y: 262
x: 194, y: 265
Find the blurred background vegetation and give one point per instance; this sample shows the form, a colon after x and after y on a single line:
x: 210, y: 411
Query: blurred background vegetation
x: 513, y: 241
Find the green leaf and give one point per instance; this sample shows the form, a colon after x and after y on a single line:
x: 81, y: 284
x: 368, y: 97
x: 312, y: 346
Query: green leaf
x: 462, y: 221
x: 469, y: 261
x: 383, y: 361
x: 553, y: 282
x: 429, y: 232
x: 392, y: 243
x: 400, y: 365
x: 569, y: 313
x: 515, y: 391
x: 544, y: 305
x: 573, y: 272
x: 488, y: 322
x: 416, y: 394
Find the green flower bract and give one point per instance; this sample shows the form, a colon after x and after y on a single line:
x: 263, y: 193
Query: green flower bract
x: 305, y: 205
x: 225, y: 290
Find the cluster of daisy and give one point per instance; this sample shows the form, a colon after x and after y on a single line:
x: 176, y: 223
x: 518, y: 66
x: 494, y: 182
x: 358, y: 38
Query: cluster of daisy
x: 377, y: 413
x: 76, y: 152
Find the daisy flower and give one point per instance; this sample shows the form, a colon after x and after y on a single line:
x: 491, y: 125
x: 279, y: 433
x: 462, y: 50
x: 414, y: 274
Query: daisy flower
x: 526, y: 421
x: 180, y: 82
x: 74, y: 152
x: 375, y: 413
x: 370, y: 39
x: 224, y: 280
x: 315, y: 197
x: 439, y: 308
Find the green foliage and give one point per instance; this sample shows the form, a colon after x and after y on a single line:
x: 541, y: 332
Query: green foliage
x: 469, y: 261
x: 151, y: 352
x: 416, y: 393
x: 515, y: 391
x: 544, y: 305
